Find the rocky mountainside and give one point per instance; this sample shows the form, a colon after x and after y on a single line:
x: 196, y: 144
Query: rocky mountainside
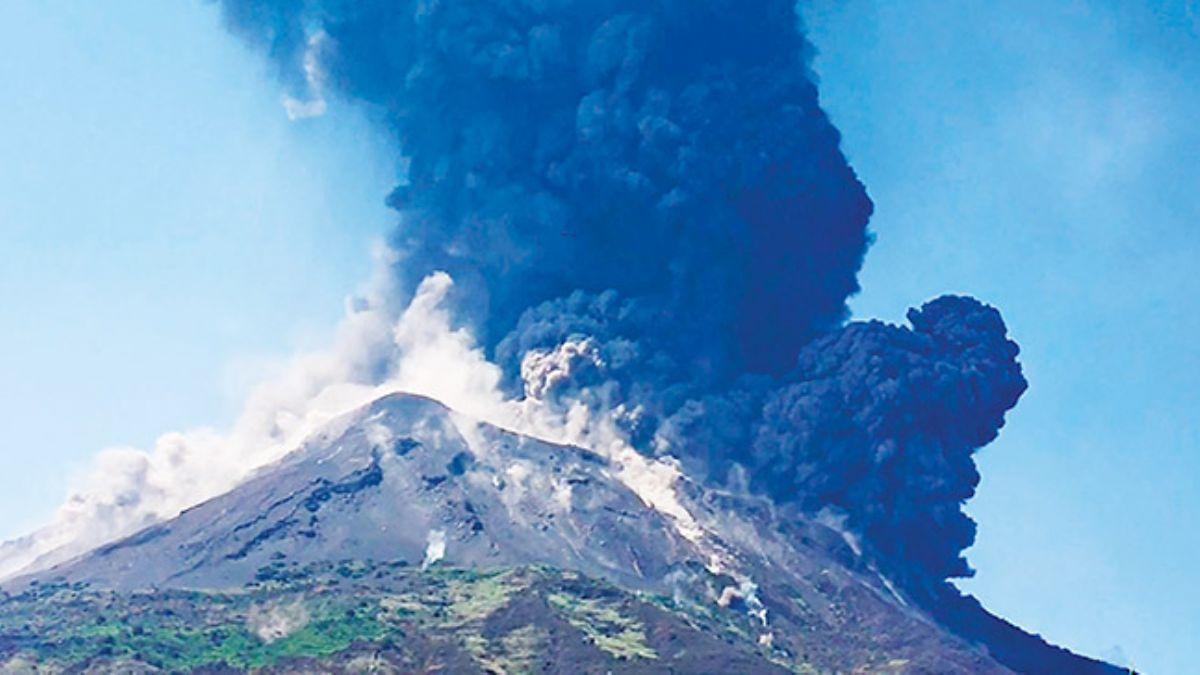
x: 415, y: 501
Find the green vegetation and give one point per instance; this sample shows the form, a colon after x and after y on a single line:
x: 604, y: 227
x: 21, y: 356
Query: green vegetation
x: 605, y: 626
x: 476, y: 598
x: 73, y: 628
x: 384, y: 616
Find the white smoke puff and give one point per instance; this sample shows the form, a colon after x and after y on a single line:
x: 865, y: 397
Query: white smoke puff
x: 517, y: 473
x: 564, y: 493
x: 838, y: 521
x: 437, y: 360
x: 276, y: 621
x: 442, y: 362
x: 655, y: 482
x: 545, y: 371
x: 370, y: 663
x: 435, y: 548
x: 746, y: 591
x: 379, y: 436
x: 313, y: 105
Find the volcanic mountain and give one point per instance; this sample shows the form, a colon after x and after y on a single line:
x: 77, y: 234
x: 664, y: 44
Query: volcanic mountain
x: 404, y: 497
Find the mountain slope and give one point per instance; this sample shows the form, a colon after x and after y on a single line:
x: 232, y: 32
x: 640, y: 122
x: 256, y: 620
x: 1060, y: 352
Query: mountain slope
x: 408, y: 482
x: 356, y: 617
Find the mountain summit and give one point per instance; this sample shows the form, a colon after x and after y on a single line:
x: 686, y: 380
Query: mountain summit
x: 411, y: 492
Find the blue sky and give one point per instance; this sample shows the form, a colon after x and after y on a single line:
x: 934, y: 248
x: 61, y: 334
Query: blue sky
x: 167, y: 233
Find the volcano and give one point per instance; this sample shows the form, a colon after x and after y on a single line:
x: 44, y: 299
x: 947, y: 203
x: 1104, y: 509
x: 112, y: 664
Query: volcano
x: 529, y: 556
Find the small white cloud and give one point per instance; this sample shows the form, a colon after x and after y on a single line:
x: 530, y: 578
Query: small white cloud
x: 312, y: 105
x: 299, y: 110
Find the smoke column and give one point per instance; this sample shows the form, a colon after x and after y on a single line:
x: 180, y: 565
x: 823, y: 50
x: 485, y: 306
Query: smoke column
x: 646, y: 211
x: 671, y: 151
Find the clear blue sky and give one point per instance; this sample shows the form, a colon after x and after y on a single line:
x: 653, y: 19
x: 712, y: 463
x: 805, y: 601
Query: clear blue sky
x: 165, y: 230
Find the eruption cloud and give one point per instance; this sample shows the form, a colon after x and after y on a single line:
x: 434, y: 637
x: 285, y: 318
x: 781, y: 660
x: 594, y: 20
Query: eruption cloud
x: 673, y: 152
x: 626, y: 225
x: 648, y: 218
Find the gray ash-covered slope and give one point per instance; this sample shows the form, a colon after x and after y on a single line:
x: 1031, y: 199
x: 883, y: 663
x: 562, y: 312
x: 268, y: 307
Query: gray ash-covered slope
x: 403, y: 480
x: 406, y: 479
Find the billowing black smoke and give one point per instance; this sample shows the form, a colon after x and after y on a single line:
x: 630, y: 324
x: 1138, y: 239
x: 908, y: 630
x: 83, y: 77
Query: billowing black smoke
x: 882, y: 421
x: 646, y: 210
x: 672, y: 150
x: 877, y: 422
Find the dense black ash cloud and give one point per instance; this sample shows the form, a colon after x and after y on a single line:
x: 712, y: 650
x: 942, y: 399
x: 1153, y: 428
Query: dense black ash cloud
x: 673, y: 151
x: 646, y: 211
x: 882, y: 422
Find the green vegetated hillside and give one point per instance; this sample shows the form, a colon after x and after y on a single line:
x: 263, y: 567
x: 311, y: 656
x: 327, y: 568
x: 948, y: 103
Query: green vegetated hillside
x: 366, y: 617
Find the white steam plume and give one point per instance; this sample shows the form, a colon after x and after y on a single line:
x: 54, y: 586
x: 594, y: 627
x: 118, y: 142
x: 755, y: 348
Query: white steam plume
x: 375, y: 352
x: 127, y: 489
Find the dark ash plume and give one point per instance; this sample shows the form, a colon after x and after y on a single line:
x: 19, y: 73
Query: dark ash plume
x: 647, y: 211
x: 881, y: 422
x: 672, y: 150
